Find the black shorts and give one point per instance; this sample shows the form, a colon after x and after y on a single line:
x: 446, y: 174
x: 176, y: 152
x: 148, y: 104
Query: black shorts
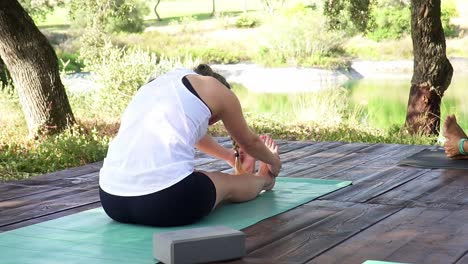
x: 180, y: 204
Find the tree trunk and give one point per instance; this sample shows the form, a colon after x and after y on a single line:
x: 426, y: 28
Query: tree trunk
x: 156, y: 10
x: 213, y: 11
x: 34, y: 69
x: 432, y: 70
x: 4, y: 76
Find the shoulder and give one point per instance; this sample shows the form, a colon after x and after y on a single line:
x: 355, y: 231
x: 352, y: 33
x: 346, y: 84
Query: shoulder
x: 213, y: 92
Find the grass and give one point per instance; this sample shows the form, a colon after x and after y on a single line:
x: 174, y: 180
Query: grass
x: 364, y: 48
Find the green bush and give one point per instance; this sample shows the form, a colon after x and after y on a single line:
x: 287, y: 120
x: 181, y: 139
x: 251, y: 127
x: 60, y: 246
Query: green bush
x: 129, y: 19
x: 449, y: 11
x: 69, y: 63
x: 71, y: 148
x: 121, y: 71
x: 246, y: 22
x: 390, y: 20
x: 187, y: 24
x: 300, y: 38
x: 110, y: 16
x: 215, y: 55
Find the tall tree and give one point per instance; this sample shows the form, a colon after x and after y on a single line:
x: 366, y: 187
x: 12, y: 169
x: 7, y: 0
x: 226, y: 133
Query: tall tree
x: 432, y: 70
x: 156, y: 10
x: 4, y: 76
x: 34, y: 69
x: 213, y: 10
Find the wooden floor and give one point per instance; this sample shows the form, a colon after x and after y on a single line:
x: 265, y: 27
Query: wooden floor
x: 391, y: 213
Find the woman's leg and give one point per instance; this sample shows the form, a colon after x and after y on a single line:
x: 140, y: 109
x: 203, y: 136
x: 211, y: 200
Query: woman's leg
x: 237, y: 188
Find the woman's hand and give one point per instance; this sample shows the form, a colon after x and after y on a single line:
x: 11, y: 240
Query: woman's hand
x: 247, y: 161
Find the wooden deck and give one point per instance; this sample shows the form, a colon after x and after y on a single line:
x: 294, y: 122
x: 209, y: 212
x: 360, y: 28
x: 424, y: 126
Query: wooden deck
x: 390, y: 213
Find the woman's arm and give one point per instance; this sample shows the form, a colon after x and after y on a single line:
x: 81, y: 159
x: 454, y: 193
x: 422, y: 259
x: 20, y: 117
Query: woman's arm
x: 225, y: 106
x: 234, y: 121
x: 209, y: 146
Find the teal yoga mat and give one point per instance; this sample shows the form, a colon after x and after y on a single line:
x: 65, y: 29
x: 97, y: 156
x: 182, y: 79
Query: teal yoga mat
x: 91, y: 237
x: 381, y: 262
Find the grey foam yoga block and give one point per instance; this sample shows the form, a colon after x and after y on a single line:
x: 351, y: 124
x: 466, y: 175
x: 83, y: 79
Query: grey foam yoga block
x: 199, y: 245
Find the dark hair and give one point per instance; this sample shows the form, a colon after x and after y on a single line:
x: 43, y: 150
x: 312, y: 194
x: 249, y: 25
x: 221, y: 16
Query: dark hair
x: 205, y: 70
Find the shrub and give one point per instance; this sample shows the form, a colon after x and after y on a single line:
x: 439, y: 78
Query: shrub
x: 69, y: 63
x: 300, y: 39
x: 449, y: 11
x: 390, y: 20
x: 75, y: 147
x: 246, y: 22
x: 187, y: 24
x: 130, y: 19
x: 121, y: 71
x: 215, y: 55
x: 113, y: 16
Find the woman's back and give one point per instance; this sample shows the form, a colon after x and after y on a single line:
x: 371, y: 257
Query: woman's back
x: 154, y: 147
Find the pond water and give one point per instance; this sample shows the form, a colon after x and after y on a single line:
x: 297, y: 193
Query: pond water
x: 379, y: 103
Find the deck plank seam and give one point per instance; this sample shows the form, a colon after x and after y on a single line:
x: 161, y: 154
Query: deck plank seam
x: 50, y: 213
x: 398, y: 209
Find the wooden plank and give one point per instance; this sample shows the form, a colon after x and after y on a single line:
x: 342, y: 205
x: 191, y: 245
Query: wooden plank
x: 394, y: 156
x: 274, y: 228
x: 363, y: 155
x: 47, y: 179
x: 319, y: 236
x: 217, y: 165
x: 294, y: 145
x: 87, y: 180
x: 29, y: 200
x: 349, y: 172
x: 413, y: 235
x: 314, y: 148
x: 368, y: 185
x: 331, y: 154
x: 54, y: 202
x: 12, y: 191
x: 50, y: 216
x: 342, y: 165
x: 436, y: 188
x: 463, y: 259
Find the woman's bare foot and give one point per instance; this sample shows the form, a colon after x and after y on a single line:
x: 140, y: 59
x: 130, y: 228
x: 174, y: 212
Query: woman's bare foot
x: 453, y: 133
x: 271, y: 145
x: 264, y: 171
x: 247, y: 161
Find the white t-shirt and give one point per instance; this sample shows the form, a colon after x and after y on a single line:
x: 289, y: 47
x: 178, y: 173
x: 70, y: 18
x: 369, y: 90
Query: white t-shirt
x: 155, y: 146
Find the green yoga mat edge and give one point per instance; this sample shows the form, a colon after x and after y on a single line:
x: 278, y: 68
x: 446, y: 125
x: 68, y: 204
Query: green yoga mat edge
x: 105, y: 241
x: 381, y: 262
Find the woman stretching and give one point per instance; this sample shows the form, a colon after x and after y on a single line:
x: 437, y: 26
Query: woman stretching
x: 148, y: 176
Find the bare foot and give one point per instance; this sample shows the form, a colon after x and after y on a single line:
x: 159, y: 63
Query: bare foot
x: 247, y: 161
x: 453, y: 133
x: 264, y: 171
x: 271, y: 145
